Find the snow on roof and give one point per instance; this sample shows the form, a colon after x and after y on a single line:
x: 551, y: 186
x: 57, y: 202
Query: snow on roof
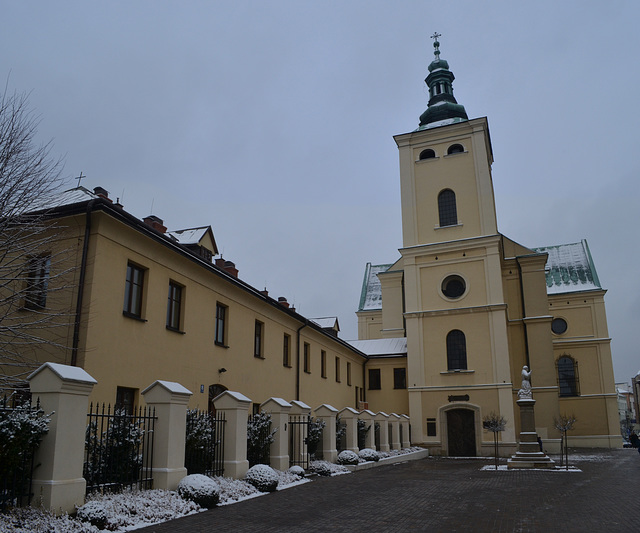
x: 570, y: 268
x: 371, y: 296
x: 68, y: 197
x: 326, y: 322
x: 382, y: 347
x: 189, y: 236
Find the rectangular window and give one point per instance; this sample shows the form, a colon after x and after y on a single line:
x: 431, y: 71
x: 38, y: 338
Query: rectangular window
x: 399, y: 378
x: 431, y: 427
x: 349, y: 373
x: 133, y: 291
x: 337, y: 369
x: 307, y: 358
x: 374, y: 379
x: 258, y: 340
x: 174, y: 306
x: 323, y: 363
x: 221, y: 324
x: 37, y: 282
x: 286, y: 351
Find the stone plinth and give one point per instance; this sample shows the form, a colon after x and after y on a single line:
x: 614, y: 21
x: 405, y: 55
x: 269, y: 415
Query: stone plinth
x: 529, y: 454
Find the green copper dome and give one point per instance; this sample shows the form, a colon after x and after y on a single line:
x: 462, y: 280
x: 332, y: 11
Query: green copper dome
x: 443, y: 108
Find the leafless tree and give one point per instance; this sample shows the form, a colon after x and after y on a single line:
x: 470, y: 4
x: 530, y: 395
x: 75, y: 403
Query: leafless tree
x: 29, y: 260
x: 564, y: 423
x: 495, y: 423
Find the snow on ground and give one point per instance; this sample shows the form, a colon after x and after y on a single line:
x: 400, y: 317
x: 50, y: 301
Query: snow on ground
x: 505, y: 468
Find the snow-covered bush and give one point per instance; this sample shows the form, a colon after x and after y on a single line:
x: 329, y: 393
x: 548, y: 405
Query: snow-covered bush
x: 347, y: 457
x: 262, y: 477
x: 341, y: 431
x: 324, y: 468
x: 259, y: 438
x: 95, y: 513
x: 233, y: 490
x: 134, y: 508
x: 314, y: 435
x: 297, y: 471
x: 367, y: 454
x: 21, y: 431
x: 32, y: 520
x: 200, y: 441
x: 200, y: 489
x: 363, y: 429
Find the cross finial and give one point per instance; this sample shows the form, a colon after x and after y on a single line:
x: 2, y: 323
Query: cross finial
x: 436, y: 44
x: 79, y: 178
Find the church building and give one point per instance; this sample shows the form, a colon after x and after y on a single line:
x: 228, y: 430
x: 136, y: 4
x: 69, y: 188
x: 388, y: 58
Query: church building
x: 450, y: 324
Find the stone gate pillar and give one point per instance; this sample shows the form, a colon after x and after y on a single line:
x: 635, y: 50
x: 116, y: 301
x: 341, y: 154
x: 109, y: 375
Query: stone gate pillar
x: 279, y: 450
x: 350, y: 416
x: 235, y: 407
x: 63, y: 390
x: 327, y: 413
x: 383, y: 419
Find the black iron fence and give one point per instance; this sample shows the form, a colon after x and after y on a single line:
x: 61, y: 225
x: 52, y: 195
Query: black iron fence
x: 204, y: 443
x: 21, y: 427
x: 298, y: 435
x: 119, y: 448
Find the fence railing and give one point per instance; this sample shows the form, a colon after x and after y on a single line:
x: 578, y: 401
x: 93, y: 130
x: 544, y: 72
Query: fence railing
x: 298, y: 433
x: 17, y: 450
x: 259, y: 438
x: 204, y: 444
x: 119, y: 448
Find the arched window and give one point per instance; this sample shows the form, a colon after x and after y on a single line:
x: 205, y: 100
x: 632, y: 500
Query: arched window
x: 567, y: 376
x: 427, y: 154
x: 455, y: 149
x: 447, y: 208
x: 456, y: 350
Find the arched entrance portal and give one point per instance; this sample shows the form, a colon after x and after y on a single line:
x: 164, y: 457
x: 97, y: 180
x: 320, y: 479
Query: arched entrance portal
x: 215, y: 390
x: 461, y: 433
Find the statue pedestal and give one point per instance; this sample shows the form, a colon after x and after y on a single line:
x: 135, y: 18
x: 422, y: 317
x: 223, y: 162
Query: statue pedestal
x: 529, y: 454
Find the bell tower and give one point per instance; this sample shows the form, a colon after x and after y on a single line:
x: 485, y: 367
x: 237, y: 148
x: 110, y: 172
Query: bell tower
x: 454, y: 303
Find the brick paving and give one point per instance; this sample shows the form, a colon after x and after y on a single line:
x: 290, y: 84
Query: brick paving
x: 444, y: 495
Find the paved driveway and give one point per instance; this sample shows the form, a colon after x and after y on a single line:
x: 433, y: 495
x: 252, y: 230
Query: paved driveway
x: 444, y: 495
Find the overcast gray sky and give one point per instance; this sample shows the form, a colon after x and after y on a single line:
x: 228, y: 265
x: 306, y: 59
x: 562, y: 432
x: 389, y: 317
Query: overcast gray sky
x: 273, y: 122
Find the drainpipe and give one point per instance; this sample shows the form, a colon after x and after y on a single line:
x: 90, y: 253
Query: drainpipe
x: 83, y: 272
x: 306, y: 323
x: 524, y: 314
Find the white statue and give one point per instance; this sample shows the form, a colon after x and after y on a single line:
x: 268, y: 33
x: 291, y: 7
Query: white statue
x: 525, y: 389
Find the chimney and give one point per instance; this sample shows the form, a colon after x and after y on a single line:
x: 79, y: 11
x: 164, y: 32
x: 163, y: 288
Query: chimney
x: 102, y: 193
x: 228, y: 266
x: 156, y: 223
x: 283, y: 301
x: 265, y: 292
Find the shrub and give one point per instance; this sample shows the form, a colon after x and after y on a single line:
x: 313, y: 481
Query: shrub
x: 200, y: 442
x: 297, y: 471
x: 199, y: 489
x: 314, y: 435
x: 347, y: 457
x: 262, y: 477
x: 367, y: 454
x: 259, y: 438
x: 322, y: 468
x: 341, y: 431
x: 363, y: 429
x: 94, y: 513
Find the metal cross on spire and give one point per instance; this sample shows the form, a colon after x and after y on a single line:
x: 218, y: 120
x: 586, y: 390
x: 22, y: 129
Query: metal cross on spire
x: 80, y: 178
x: 436, y: 44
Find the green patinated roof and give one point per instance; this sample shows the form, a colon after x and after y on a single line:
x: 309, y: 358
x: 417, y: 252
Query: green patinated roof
x: 371, y: 295
x: 570, y: 268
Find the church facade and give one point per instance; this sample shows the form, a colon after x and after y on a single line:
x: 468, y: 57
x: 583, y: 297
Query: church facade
x: 450, y: 324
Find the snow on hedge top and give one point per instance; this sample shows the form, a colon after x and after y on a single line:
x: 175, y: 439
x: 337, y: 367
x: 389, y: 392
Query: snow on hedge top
x: 66, y: 373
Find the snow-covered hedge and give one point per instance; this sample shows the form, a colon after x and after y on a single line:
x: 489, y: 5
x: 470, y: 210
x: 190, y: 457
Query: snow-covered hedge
x: 262, y: 477
x: 347, y: 457
x: 367, y: 454
x: 200, y: 489
x: 324, y: 468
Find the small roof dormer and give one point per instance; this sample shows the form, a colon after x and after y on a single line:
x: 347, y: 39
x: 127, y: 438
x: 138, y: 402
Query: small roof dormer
x: 198, y: 240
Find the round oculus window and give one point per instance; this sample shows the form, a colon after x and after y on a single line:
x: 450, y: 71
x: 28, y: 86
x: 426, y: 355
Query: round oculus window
x: 453, y: 287
x: 559, y: 326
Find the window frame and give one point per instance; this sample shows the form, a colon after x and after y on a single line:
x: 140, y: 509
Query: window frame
x: 399, y: 378
x: 348, y: 373
x: 337, y: 369
x: 323, y: 364
x: 456, y: 351
x: 306, y: 350
x: 221, y: 325
x: 447, y: 208
x: 134, y: 288
x: 565, y: 381
x: 286, y: 350
x: 38, y: 272
x: 175, y: 300
x: 375, y: 380
x: 258, y: 340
